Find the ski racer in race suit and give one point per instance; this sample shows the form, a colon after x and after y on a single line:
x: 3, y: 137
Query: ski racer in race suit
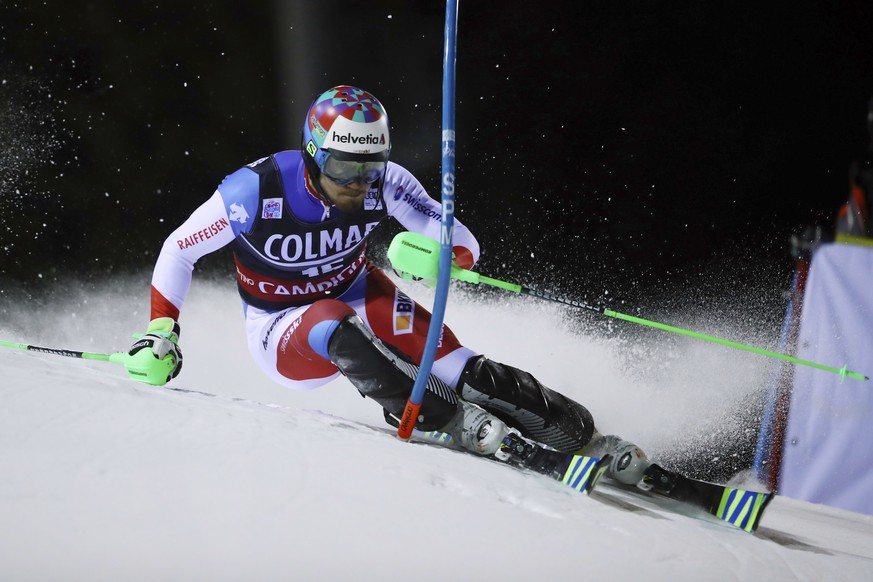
x: 315, y: 307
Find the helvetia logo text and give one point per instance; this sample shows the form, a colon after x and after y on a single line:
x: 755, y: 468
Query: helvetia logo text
x: 358, y: 140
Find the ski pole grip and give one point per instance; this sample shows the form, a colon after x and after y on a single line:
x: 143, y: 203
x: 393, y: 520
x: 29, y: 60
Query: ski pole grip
x: 415, y: 254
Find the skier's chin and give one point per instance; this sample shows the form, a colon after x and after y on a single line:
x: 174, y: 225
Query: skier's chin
x: 346, y: 198
x: 349, y: 203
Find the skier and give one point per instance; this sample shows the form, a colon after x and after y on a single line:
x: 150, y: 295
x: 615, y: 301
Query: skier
x: 315, y: 307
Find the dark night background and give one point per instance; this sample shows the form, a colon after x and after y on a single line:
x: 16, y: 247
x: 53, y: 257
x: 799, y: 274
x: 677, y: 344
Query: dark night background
x: 639, y: 149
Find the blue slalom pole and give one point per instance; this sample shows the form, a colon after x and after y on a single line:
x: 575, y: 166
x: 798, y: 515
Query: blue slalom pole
x: 763, y: 448
x: 447, y: 223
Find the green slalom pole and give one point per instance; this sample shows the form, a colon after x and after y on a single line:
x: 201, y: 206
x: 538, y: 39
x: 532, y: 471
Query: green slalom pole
x: 143, y: 366
x: 114, y: 358
x: 415, y: 256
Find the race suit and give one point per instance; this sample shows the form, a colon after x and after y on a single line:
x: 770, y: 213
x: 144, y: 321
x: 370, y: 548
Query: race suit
x: 291, y: 250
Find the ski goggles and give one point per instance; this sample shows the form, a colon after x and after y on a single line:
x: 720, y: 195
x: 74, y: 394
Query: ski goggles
x: 344, y: 172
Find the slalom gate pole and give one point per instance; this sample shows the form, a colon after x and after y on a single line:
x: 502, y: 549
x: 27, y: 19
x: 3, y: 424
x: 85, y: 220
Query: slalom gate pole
x: 114, y: 357
x: 413, y: 254
x: 443, y: 278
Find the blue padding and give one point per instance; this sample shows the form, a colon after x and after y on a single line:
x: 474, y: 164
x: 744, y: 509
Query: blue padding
x: 319, y: 336
x: 240, y: 193
x: 303, y: 205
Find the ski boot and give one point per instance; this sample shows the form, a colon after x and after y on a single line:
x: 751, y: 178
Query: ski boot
x: 628, y: 463
x: 477, y: 430
x: 657, y: 479
x: 480, y: 432
x: 387, y: 375
x: 519, y: 399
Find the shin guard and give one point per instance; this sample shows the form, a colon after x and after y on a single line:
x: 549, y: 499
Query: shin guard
x: 521, y: 401
x: 380, y: 374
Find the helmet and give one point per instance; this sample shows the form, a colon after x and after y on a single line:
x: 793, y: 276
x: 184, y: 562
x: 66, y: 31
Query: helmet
x: 346, y: 124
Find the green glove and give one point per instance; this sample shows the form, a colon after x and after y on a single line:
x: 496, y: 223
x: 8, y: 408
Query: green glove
x: 156, y: 357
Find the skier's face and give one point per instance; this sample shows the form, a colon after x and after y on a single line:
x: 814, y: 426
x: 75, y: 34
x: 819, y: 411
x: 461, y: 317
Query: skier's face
x: 348, y: 198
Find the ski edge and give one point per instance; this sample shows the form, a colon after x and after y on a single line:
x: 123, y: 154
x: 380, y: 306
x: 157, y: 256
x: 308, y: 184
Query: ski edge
x: 582, y: 472
x: 738, y: 507
x: 741, y: 508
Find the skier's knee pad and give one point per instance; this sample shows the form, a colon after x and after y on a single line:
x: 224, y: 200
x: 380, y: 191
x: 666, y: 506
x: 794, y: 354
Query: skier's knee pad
x: 520, y: 400
x: 322, y: 319
x: 387, y: 377
x: 301, y: 353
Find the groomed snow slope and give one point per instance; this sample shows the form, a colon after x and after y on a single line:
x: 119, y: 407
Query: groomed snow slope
x: 102, y: 478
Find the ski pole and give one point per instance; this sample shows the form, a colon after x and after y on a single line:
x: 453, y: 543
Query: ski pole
x: 444, y: 247
x: 142, y: 366
x: 115, y: 358
x: 413, y: 254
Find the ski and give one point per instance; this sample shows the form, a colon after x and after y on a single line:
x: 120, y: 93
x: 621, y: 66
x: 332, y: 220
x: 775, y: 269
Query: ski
x: 739, y: 507
x: 578, y: 472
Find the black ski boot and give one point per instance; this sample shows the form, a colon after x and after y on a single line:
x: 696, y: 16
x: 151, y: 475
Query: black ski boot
x: 387, y: 377
x: 381, y: 373
x: 520, y: 400
x: 629, y: 462
x: 658, y: 480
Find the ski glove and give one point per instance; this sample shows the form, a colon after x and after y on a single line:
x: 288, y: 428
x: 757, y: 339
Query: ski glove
x: 155, y: 358
x: 411, y: 277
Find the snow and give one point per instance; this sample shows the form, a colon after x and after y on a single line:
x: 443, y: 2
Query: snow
x: 103, y: 478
